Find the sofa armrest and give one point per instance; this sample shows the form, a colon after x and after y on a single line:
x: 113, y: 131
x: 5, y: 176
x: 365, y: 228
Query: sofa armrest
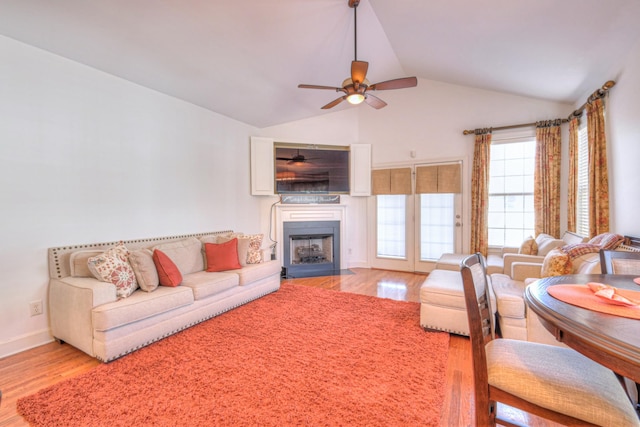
x: 523, y: 270
x: 509, y: 259
x: 510, y: 250
x: 71, y: 301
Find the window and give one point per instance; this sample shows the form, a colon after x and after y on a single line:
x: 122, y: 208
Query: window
x: 511, y: 213
x: 391, y: 226
x: 437, y: 225
x: 582, y: 197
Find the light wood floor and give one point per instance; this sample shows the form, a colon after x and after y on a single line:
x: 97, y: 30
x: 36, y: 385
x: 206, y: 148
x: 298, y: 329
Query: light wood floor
x: 25, y: 373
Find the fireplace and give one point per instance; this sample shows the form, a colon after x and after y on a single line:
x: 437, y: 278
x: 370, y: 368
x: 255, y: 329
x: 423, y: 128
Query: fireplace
x: 311, y: 248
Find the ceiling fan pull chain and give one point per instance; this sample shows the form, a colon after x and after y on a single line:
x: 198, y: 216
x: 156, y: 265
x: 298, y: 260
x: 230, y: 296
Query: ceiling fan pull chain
x: 355, y: 33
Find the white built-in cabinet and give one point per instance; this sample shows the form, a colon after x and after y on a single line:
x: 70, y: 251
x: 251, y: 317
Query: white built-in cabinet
x: 360, y: 169
x: 262, y: 168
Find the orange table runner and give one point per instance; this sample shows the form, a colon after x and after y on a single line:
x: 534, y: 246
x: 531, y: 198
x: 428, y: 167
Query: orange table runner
x: 582, y: 296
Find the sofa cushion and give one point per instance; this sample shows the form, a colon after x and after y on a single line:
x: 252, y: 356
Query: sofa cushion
x: 586, y: 264
x: 556, y: 263
x: 443, y: 288
x: 222, y: 256
x: 113, y: 266
x: 168, y: 272
x: 528, y: 247
x: 79, y: 263
x: 186, y: 254
x: 254, y: 272
x: 546, y: 243
x: 139, y: 306
x: 509, y: 295
x: 205, y: 284
x: 145, y: 269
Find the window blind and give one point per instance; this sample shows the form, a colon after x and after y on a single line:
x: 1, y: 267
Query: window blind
x: 582, y: 198
x: 391, y: 181
x: 445, y: 178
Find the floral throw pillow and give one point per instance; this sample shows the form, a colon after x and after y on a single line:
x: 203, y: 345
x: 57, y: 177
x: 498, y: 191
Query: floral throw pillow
x: 556, y: 263
x: 254, y: 255
x: 113, y: 266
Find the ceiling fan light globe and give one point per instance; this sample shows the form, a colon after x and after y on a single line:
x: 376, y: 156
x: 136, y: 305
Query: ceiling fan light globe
x: 355, y: 98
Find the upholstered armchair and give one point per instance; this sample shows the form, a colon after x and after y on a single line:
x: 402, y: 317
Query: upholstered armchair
x: 515, y: 320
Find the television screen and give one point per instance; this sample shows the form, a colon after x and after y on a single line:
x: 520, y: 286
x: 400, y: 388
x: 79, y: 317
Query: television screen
x: 322, y: 170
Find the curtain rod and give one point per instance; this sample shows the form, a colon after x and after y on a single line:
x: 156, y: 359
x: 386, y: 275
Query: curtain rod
x: 599, y: 93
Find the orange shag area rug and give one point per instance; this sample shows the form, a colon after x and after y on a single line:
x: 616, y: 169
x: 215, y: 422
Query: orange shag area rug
x: 300, y: 356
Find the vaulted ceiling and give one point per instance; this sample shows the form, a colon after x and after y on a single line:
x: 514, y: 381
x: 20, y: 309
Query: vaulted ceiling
x: 244, y: 59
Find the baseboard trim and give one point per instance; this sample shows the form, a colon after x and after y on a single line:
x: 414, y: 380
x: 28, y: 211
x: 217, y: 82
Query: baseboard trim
x: 25, y: 342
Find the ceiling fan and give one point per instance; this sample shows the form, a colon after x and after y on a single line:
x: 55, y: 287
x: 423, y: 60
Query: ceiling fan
x: 357, y: 88
x: 296, y: 159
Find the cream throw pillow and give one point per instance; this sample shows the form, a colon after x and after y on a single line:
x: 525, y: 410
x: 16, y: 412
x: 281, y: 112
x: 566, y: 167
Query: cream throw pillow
x: 145, y: 269
x: 547, y: 242
x: 528, y: 247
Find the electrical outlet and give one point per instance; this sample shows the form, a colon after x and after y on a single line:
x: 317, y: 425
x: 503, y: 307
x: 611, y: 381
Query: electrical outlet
x: 35, y: 307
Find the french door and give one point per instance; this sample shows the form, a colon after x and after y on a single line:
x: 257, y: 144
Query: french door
x: 412, y: 231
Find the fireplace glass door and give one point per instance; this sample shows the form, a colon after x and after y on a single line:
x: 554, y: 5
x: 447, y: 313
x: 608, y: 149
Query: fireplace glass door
x: 314, y: 249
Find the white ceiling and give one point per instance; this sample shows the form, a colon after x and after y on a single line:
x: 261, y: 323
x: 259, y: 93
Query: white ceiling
x: 244, y: 59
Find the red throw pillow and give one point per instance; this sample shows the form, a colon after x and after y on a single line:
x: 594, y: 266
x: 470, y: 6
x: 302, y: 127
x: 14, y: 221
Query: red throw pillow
x: 222, y: 256
x: 168, y: 273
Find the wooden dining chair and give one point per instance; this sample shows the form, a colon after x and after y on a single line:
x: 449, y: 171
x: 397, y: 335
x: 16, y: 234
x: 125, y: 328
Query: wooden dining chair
x: 619, y: 262
x: 552, y: 382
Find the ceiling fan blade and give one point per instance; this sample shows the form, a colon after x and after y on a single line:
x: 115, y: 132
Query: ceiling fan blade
x: 334, y: 103
x: 374, y: 101
x: 359, y: 71
x: 395, y: 84
x: 337, y: 89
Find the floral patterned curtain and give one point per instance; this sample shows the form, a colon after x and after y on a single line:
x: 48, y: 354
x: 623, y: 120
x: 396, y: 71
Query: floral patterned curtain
x: 598, y: 171
x: 546, y: 178
x: 480, y: 192
x: 574, y: 124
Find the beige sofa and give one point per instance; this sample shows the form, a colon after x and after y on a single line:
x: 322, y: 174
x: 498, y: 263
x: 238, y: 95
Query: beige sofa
x: 87, y: 314
x: 502, y: 262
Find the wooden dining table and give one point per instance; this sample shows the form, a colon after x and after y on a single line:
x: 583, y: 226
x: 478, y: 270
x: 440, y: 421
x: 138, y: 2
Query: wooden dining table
x: 608, y: 339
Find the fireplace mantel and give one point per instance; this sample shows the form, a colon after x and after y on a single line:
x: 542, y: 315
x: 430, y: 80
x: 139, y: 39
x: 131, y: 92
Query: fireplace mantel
x: 297, y: 213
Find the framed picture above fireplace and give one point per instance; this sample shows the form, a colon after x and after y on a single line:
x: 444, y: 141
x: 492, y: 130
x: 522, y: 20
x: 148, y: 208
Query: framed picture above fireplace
x: 311, y: 169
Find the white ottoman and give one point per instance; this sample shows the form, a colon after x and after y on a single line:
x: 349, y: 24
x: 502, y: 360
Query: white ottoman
x: 450, y: 262
x: 442, y: 305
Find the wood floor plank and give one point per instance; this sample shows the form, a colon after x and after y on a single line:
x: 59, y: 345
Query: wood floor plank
x: 27, y: 372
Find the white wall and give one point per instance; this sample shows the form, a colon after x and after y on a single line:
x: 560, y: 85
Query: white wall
x: 429, y: 120
x: 623, y: 144
x: 88, y: 157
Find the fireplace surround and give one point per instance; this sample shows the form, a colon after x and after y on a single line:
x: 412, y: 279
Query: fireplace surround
x: 308, y: 214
